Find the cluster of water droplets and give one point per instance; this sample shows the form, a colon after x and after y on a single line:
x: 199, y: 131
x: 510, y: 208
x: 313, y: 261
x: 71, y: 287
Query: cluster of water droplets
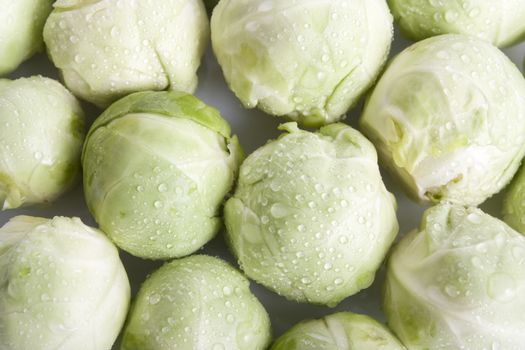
x: 127, y: 46
x: 464, y: 118
x: 337, y: 35
x: 30, y: 156
x: 315, y: 217
x: 59, y: 273
x: 161, y: 199
x: 470, y: 17
x: 468, y: 262
x: 198, y: 301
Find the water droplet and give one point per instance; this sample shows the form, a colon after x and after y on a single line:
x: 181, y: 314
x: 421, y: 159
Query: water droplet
x: 301, y: 228
x: 140, y: 188
x: 465, y: 58
x: 338, y: 281
x: 476, y: 262
x: 452, y: 291
x: 450, y: 16
x: 306, y: 280
x: 275, y: 186
x: 501, y: 287
x: 227, y: 290
x: 279, y: 210
x: 474, y: 218
x: 343, y: 239
x: 162, y: 187
x: 518, y: 253
x: 474, y: 12
x: 265, y: 6
x: 157, y: 204
x: 154, y: 299
x: 482, y: 247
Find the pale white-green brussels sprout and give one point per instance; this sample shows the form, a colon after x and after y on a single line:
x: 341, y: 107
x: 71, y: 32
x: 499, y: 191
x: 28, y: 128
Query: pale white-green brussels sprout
x: 306, y: 60
x: 41, y: 136
x: 157, y: 166
x: 448, y: 118
x: 458, y: 283
x: 311, y: 218
x: 62, y: 286
x: 198, y: 302
x: 21, y: 24
x: 108, y: 49
x: 344, y: 330
x: 500, y: 22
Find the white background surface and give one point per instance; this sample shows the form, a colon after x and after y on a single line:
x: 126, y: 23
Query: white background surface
x: 254, y: 128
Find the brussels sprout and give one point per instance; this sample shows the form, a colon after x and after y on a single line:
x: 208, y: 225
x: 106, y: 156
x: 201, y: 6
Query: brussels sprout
x: 62, y: 286
x: 458, y: 283
x: 311, y: 218
x: 500, y: 22
x: 157, y: 166
x: 307, y: 60
x: 448, y: 118
x: 21, y: 24
x: 40, y: 141
x: 108, y: 49
x: 343, y: 330
x: 197, y: 302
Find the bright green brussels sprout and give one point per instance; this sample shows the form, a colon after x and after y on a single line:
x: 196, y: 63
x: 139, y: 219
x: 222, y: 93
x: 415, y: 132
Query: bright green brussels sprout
x: 21, y: 23
x: 311, y: 218
x: 198, y: 302
x: 157, y: 166
x: 40, y: 141
x: 458, y: 283
x: 307, y: 60
x: 108, y: 49
x: 448, y: 118
x: 62, y: 286
x: 501, y: 22
x: 343, y: 330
